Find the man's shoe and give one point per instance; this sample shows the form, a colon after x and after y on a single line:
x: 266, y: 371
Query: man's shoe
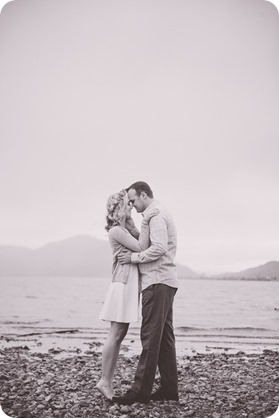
x: 162, y: 395
x: 131, y: 397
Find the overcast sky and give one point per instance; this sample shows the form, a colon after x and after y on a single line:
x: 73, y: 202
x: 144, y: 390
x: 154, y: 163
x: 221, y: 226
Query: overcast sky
x: 181, y: 94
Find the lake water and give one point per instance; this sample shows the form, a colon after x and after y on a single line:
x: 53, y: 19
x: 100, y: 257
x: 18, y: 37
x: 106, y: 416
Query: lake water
x: 209, y: 315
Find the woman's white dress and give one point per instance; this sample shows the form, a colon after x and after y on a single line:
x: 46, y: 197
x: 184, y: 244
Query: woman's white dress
x: 122, y: 300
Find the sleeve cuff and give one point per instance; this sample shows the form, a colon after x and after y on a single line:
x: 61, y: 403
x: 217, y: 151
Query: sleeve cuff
x: 135, y: 232
x: 135, y: 258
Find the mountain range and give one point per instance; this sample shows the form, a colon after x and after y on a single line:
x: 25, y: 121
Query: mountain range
x: 88, y: 256
x: 267, y: 271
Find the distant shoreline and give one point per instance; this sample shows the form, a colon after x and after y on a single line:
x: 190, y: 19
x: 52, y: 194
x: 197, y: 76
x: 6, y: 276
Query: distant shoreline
x: 208, y: 278
x: 247, y: 279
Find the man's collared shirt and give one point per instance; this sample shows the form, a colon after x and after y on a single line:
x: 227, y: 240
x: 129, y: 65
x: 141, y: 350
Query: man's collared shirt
x: 156, y: 264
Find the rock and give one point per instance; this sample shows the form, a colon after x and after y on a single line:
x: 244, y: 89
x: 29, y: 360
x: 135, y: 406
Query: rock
x: 55, y: 350
x: 41, y: 382
x: 17, y: 406
x: 59, y: 406
x: 25, y: 414
x: 114, y: 409
x: 125, y: 382
x: 210, y: 385
x: 190, y: 414
x: 168, y: 408
x: 268, y: 352
x: 125, y: 409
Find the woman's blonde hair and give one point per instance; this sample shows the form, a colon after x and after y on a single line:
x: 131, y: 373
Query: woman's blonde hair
x: 114, y: 208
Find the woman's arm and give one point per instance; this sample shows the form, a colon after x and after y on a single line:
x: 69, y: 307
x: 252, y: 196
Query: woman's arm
x: 123, y: 237
x: 130, y: 225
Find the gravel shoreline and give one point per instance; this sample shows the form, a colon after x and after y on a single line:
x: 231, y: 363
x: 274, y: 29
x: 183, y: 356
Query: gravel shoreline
x: 47, y: 385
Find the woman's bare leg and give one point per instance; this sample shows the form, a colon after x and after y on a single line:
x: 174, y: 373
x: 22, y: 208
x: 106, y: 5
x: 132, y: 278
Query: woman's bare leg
x: 111, y: 348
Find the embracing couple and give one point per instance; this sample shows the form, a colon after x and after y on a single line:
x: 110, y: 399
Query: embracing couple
x: 142, y: 263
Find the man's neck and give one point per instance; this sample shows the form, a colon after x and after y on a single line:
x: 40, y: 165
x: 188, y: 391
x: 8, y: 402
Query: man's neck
x: 149, y: 202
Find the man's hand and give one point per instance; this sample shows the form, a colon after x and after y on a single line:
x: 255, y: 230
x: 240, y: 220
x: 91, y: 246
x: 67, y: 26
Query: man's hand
x: 124, y: 257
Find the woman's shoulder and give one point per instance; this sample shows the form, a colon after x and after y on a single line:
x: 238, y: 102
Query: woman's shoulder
x: 116, y: 231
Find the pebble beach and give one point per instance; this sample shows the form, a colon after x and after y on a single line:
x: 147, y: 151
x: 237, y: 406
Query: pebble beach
x: 217, y: 385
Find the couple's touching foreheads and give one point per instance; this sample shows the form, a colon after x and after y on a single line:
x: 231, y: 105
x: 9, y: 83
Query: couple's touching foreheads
x: 142, y: 264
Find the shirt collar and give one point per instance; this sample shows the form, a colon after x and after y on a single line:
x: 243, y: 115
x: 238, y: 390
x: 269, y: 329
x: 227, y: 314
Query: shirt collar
x: 152, y: 205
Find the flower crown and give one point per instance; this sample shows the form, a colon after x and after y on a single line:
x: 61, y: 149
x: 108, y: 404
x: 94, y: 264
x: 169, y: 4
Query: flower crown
x: 115, y: 200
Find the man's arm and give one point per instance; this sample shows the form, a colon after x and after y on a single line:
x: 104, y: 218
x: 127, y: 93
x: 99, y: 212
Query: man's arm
x: 158, y: 247
x: 159, y: 242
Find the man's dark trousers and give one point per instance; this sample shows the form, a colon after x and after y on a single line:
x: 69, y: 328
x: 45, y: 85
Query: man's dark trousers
x: 158, y: 341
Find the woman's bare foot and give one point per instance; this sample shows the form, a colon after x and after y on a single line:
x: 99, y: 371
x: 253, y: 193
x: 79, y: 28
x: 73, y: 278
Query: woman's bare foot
x: 107, y: 391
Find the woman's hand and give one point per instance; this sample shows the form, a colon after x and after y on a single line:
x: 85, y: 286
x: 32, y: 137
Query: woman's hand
x: 130, y: 224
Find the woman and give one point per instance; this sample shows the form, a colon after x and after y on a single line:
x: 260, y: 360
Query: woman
x: 121, y: 304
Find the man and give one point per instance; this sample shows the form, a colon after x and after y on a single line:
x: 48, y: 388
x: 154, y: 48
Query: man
x: 159, y: 285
